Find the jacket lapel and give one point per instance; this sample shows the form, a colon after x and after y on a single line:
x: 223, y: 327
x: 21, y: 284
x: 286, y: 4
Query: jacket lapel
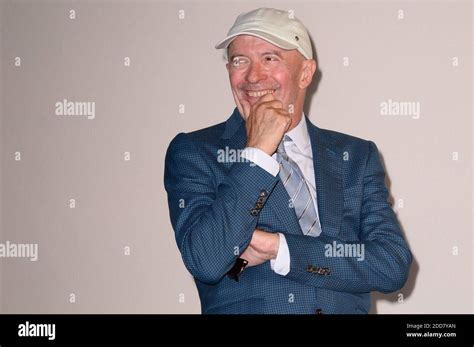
x: 235, y: 135
x: 327, y: 160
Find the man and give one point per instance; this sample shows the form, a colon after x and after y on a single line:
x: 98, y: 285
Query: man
x: 299, y: 222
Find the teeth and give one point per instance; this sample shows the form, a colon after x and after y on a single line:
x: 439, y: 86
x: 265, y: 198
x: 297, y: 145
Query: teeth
x: 260, y: 93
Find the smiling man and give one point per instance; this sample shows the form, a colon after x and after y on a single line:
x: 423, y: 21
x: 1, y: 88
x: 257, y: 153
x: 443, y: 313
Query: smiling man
x: 302, y: 225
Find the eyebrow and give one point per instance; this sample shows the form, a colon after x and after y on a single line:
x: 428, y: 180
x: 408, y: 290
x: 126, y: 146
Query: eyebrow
x: 277, y: 53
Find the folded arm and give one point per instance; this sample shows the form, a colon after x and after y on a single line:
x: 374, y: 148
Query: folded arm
x: 386, y: 257
x: 213, y: 224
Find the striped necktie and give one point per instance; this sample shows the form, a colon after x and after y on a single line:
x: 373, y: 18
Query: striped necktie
x: 297, y: 188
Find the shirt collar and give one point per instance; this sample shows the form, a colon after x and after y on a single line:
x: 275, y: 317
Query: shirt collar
x: 299, y: 135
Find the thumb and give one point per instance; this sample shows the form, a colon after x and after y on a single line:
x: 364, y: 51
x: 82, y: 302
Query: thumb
x: 267, y: 97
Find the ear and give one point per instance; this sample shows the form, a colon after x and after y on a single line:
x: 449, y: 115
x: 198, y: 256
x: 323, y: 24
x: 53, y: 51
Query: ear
x: 308, y: 68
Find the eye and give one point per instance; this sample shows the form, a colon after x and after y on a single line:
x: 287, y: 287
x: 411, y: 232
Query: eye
x: 239, y: 61
x: 270, y: 58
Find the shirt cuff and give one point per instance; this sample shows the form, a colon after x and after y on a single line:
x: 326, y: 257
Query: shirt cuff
x: 281, y: 264
x: 262, y: 159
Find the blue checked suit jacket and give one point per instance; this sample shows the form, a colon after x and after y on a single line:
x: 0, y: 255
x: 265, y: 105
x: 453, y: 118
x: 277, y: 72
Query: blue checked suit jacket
x: 210, y: 204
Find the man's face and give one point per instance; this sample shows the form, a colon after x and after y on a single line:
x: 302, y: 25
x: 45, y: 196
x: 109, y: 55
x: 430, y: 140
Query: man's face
x: 256, y: 67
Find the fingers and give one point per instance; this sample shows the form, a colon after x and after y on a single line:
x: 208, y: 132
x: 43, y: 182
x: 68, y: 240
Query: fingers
x: 266, y: 97
x: 267, y: 101
x: 264, y: 100
x: 252, y: 256
x: 274, y: 104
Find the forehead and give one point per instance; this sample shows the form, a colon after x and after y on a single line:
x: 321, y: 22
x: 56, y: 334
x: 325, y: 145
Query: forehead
x: 248, y: 43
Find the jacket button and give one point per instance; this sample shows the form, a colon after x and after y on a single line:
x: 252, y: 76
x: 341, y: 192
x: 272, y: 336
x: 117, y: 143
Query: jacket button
x: 263, y: 193
x: 319, y: 311
x: 254, y: 212
x: 324, y: 271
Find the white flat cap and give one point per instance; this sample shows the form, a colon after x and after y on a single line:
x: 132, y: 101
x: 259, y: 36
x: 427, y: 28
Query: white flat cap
x: 274, y: 26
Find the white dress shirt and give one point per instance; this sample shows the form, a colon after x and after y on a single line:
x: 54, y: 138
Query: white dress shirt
x: 299, y: 150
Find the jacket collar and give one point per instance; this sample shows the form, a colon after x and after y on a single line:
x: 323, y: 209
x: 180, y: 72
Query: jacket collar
x: 233, y: 123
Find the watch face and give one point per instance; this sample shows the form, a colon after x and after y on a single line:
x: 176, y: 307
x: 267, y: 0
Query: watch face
x: 237, y: 269
x: 243, y: 263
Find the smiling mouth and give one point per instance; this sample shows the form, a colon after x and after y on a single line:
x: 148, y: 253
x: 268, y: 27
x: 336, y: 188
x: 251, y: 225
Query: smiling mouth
x: 259, y: 93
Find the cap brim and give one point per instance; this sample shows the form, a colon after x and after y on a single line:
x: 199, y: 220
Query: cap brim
x: 269, y: 37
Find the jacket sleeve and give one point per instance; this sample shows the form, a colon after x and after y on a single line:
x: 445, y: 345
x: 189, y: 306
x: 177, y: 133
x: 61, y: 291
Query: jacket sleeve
x: 213, y: 223
x: 386, y: 259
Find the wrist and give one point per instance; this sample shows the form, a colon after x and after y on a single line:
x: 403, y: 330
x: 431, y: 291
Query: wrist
x: 267, y: 150
x: 275, y: 245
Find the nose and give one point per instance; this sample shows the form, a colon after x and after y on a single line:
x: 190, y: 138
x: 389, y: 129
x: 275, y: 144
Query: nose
x: 256, y: 73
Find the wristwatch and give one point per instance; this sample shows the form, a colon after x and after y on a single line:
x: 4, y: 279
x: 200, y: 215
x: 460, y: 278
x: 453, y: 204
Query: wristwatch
x: 237, y: 269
